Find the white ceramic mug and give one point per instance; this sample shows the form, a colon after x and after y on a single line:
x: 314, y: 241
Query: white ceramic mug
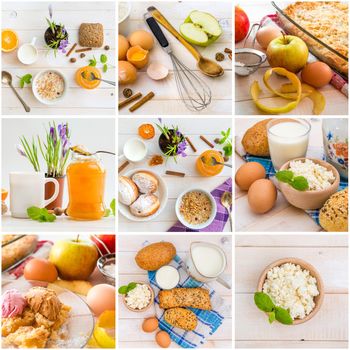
x: 28, y: 53
x: 134, y: 150
x: 27, y: 189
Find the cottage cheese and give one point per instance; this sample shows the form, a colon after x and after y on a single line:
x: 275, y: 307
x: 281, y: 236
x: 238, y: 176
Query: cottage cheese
x: 139, y: 297
x: 318, y: 177
x: 293, y: 288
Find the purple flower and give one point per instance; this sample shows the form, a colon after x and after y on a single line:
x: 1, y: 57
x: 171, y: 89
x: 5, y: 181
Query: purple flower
x: 20, y: 150
x: 53, y: 135
x: 181, y: 148
x: 62, y: 131
x: 63, y: 45
x: 65, y: 147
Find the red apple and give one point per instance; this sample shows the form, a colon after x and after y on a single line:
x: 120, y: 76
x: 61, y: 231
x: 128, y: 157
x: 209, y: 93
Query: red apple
x: 241, y: 24
x: 108, y: 240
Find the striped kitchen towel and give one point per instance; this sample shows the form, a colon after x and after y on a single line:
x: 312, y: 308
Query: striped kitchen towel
x: 208, y: 321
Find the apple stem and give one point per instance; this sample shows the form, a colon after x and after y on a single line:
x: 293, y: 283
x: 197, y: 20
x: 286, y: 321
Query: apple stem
x: 284, y: 38
x: 78, y: 238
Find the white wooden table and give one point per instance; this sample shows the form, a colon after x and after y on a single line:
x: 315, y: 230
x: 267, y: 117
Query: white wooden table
x: 28, y: 19
x: 282, y: 216
x: 336, y: 102
x: 328, y: 253
x: 129, y: 324
x: 210, y: 128
x: 167, y: 100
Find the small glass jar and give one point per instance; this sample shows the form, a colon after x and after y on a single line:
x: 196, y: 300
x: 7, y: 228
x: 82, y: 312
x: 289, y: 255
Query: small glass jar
x: 86, y: 184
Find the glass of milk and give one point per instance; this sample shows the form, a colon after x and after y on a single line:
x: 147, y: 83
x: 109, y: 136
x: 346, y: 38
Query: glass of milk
x: 288, y: 139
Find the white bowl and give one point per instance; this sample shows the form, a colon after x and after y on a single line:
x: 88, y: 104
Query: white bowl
x: 161, y: 193
x: 42, y: 100
x: 204, y: 224
x: 128, y: 3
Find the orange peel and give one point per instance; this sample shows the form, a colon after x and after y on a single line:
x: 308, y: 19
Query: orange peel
x: 102, y: 337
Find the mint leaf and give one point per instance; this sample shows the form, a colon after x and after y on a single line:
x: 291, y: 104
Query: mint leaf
x: 40, y: 214
x: 103, y: 58
x: 285, y: 175
x: 283, y: 315
x: 25, y: 79
x: 92, y: 62
x: 112, y: 206
x: 272, y: 316
x: 300, y: 183
x: 131, y: 286
x: 263, y: 302
x: 123, y: 290
x: 107, y: 213
x: 105, y: 68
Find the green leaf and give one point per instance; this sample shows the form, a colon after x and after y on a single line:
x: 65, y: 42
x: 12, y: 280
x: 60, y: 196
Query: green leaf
x: 26, y: 79
x: 263, y: 302
x: 227, y: 150
x: 131, y: 286
x: 123, y: 290
x: 300, y: 183
x: 272, y: 316
x: 112, y: 206
x: 285, y: 176
x: 103, y: 58
x: 283, y: 315
x: 92, y: 62
x: 40, y: 214
x: 107, y: 213
x: 105, y: 68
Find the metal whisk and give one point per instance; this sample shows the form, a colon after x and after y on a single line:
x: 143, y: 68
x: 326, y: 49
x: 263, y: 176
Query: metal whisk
x: 194, y: 92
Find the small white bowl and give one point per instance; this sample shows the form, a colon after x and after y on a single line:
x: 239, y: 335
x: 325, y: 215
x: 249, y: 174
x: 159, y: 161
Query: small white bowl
x: 43, y: 100
x: 204, y: 224
x: 161, y: 193
x: 128, y: 3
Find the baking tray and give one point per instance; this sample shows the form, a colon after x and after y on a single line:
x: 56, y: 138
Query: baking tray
x: 316, y: 46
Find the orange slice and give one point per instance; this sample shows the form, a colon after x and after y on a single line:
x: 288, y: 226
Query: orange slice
x: 9, y: 40
x: 4, y: 194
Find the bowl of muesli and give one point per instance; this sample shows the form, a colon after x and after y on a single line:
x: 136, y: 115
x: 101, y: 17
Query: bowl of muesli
x: 196, y: 208
x: 49, y: 86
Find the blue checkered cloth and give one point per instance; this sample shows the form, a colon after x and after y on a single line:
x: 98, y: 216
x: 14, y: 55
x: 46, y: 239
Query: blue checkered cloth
x: 270, y: 171
x: 208, y: 321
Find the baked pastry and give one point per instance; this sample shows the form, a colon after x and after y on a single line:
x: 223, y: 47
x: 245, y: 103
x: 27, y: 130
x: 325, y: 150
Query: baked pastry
x: 145, y: 205
x: 197, y: 298
x: 127, y: 191
x: 18, y: 250
x: 334, y: 213
x: 181, y: 318
x: 327, y: 21
x: 155, y: 255
x: 145, y: 182
x: 91, y: 34
x: 255, y: 140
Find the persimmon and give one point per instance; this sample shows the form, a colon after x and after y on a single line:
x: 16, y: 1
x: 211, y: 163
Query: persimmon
x: 146, y: 131
x: 83, y: 78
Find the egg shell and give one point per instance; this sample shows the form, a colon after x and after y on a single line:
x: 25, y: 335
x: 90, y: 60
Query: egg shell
x: 163, y: 339
x: 262, y: 195
x: 317, y: 74
x: 127, y: 73
x: 123, y: 47
x: 141, y: 38
x: 157, y: 71
x: 40, y: 270
x: 101, y: 298
x: 248, y: 173
x: 266, y: 34
x: 150, y: 324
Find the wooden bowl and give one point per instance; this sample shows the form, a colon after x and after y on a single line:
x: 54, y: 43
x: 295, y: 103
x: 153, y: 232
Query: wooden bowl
x: 309, y: 199
x: 145, y: 308
x: 305, y: 266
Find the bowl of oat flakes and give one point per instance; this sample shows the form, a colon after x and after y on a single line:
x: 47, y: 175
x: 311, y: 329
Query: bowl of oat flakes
x: 195, y: 208
x: 49, y: 86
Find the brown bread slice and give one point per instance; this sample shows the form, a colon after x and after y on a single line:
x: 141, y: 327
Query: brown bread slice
x: 181, y: 318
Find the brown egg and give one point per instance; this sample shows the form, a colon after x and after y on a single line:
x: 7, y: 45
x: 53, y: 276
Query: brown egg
x: 150, y: 324
x: 316, y: 74
x: 248, y: 173
x: 262, y: 196
x: 40, y: 270
x: 123, y: 47
x: 163, y: 339
x: 141, y: 38
x: 127, y: 73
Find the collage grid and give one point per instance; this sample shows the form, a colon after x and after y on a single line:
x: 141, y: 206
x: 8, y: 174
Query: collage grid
x: 158, y: 247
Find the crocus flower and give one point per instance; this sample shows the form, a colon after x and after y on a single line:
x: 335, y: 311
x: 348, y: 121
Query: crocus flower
x: 62, y: 131
x: 65, y: 147
x: 20, y: 150
x: 181, y: 147
x: 53, y: 134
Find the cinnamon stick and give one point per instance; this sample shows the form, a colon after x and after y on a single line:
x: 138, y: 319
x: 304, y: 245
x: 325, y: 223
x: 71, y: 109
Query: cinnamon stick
x: 129, y: 100
x: 230, y: 56
x: 140, y: 103
x: 175, y: 173
x: 191, y: 144
x: 207, y: 141
x: 71, y: 49
x: 123, y: 166
x: 84, y: 49
x: 227, y: 50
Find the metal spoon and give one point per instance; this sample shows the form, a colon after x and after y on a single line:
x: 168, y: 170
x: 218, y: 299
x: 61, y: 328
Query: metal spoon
x: 213, y: 162
x: 93, y: 77
x: 226, y: 201
x: 83, y: 152
x: 6, y: 78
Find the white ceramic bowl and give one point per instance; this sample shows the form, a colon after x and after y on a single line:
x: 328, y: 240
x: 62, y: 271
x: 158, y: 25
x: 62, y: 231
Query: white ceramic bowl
x: 128, y: 4
x: 161, y: 193
x: 43, y: 100
x: 204, y: 224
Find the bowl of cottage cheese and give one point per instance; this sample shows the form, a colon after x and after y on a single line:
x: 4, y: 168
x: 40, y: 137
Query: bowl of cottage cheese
x: 295, y: 285
x: 124, y: 9
x: 322, y: 178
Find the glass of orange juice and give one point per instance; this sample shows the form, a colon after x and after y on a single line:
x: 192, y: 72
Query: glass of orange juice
x: 86, y: 184
x: 204, y: 163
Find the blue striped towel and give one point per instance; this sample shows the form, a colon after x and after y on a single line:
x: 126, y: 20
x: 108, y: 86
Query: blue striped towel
x: 208, y: 321
x: 270, y: 171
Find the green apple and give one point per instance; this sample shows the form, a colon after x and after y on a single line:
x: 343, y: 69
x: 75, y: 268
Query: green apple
x: 289, y: 52
x: 74, y: 259
x: 200, y: 28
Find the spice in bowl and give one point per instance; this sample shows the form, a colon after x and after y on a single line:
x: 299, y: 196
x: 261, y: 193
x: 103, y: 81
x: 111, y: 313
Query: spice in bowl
x: 137, y: 296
